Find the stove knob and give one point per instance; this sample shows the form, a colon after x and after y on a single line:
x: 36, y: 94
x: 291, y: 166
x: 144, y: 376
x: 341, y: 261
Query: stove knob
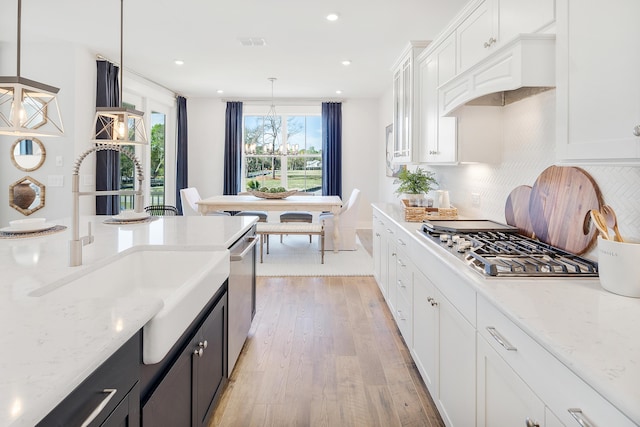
x: 444, y: 238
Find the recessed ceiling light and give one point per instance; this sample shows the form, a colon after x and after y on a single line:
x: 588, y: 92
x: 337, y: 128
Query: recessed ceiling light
x: 220, y: 91
x: 332, y: 17
x: 338, y: 91
x: 346, y: 62
x: 178, y: 62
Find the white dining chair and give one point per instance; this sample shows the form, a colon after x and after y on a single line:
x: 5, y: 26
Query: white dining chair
x: 189, y: 198
x: 347, y: 224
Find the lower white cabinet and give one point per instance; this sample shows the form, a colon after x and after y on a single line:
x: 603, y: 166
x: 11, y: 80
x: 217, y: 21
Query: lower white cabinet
x: 504, y: 399
x: 444, y: 348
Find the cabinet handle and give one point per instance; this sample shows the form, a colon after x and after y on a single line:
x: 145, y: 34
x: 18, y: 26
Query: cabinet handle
x: 198, y: 352
x: 580, y: 417
x: 401, y: 242
x: 435, y: 152
x: 390, y: 231
x: 400, y: 315
x: 401, y: 284
x: 529, y: 423
x: 489, y: 42
x: 432, y: 301
x: 400, y: 263
x: 636, y: 130
x: 501, y: 340
x: 92, y: 416
x: 204, y: 344
x: 377, y: 234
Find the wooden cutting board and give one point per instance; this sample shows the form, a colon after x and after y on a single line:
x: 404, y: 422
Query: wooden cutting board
x: 560, y: 200
x: 516, y: 210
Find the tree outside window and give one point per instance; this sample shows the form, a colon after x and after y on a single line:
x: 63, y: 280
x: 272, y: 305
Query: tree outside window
x: 283, y: 151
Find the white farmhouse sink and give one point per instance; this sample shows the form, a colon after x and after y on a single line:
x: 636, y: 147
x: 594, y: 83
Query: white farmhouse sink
x: 184, y: 280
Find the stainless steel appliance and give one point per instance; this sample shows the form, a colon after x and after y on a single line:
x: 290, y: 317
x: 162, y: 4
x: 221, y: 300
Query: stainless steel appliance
x: 497, y: 250
x: 241, y: 293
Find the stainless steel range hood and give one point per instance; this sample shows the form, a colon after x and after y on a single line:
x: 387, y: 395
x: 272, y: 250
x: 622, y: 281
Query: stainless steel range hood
x: 523, y: 67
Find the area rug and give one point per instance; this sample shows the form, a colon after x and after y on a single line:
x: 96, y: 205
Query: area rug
x: 297, y: 257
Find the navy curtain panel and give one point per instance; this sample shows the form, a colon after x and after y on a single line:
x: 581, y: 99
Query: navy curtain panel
x: 107, y: 162
x: 26, y: 147
x: 182, y: 164
x: 232, y: 148
x: 332, y: 149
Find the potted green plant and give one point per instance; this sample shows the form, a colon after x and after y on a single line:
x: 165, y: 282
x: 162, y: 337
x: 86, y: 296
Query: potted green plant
x: 415, y: 184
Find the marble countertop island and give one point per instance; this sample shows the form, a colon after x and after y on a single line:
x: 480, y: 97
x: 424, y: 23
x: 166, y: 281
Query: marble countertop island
x: 49, y: 345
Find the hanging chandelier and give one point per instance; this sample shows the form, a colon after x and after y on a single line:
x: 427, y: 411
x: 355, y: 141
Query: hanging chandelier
x: 273, y: 120
x: 27, y: 107
x: 119, y: 125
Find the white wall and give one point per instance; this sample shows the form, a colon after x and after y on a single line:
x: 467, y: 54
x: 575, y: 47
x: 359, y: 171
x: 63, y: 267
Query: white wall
x: 72, y: 69
x: 360, y: 137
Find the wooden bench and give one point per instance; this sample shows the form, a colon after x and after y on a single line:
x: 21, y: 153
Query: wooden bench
x: 265, y: 229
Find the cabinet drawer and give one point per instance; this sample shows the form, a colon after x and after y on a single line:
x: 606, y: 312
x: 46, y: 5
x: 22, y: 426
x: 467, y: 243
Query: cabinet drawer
x: 107, y: 386
x: 404, y: 319
x: 544, y: 373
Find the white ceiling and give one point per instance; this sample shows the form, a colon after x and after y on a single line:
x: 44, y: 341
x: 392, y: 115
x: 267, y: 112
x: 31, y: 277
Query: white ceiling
x: 303, y: 51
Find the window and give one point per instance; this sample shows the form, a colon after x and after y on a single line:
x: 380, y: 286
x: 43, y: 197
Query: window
x: 158, y: 121
x: 283, y: 151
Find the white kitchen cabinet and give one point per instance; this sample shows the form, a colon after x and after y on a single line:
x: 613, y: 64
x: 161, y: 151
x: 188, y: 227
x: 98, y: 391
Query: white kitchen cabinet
x: 437, y: 134
x: 543, y: 374
x: 598, y: 89
x: 405, y: 99
x: 503, y: 398
x: 444, y: 347
x: 495, y: 22
x: 404, y: 273
x: 384, y: 256
x: 377, y: 250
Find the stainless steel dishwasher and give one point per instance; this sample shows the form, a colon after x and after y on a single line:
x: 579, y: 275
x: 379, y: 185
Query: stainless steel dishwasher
x: 241, y: 293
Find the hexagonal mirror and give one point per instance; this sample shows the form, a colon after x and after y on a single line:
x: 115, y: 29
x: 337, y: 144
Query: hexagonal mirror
x: 26, y: 195
x: 28, y: 154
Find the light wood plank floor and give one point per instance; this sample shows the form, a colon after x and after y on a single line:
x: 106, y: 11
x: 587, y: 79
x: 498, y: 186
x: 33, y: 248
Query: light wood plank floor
x: 324, y: 351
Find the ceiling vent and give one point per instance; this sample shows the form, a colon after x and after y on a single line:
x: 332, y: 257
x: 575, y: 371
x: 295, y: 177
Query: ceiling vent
x: 252, y: 41
x: 521, y: 68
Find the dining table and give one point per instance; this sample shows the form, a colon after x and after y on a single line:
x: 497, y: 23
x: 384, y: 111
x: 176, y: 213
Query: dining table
x: 249, y: 202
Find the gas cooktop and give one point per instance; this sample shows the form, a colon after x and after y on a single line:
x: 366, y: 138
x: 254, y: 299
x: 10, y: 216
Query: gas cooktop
x: 497, y: 250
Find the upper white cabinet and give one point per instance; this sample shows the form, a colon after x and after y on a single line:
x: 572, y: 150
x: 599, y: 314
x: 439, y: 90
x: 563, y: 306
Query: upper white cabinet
x: 437, y: 134
x: 598, y: 80
x: 495, y: 22
x: 404, y: 104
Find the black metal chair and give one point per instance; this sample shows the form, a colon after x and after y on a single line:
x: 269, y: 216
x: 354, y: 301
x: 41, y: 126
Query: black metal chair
x: 162, y: 210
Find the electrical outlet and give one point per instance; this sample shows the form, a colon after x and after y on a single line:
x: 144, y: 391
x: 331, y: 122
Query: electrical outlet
x: 475, y: 199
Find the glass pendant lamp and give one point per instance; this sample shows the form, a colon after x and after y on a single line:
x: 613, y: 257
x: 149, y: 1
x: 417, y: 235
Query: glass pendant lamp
x: 119, y: 125
x: 28, y: 108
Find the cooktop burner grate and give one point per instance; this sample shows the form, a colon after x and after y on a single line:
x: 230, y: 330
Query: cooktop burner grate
x: 506, y: 254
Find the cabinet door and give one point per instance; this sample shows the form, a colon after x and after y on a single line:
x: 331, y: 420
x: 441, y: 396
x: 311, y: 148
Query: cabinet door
x: 503, y: 397
x: 477, y: 35
x: 523, y: 16
x: 425, y: 330
x: 170, y: 403
x: 598, y: 89
x: 437, y: 134
x: 377, y: 252
x: 457, y: 365
x: 210, y: 365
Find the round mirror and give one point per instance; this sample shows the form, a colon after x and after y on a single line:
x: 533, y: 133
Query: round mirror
x: 28, y: 154
x: 26, y: 195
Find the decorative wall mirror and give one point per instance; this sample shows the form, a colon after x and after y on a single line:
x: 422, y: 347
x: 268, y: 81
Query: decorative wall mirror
x: 26, y: 195
x: 28, y: 154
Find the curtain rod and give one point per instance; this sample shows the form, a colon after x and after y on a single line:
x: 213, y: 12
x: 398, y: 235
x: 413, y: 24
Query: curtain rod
x: 135, y: 73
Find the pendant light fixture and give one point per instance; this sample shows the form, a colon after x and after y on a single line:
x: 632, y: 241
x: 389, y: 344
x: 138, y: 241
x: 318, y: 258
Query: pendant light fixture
x: 27, y: 107
x: 273, y: 120
x: 119, y: 125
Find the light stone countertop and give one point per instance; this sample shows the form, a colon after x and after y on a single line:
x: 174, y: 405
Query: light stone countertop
x: 595, y: 333
x: 49, y: 345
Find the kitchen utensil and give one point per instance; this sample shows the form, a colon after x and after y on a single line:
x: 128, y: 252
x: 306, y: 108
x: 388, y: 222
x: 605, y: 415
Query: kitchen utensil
x: 516, y: 210
x: 612, y: 221
x: 560, y: 199
x: 619, y: 267
x: 601, y: 224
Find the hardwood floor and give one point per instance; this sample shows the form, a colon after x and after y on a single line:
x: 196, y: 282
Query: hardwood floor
x: 324, y: 351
